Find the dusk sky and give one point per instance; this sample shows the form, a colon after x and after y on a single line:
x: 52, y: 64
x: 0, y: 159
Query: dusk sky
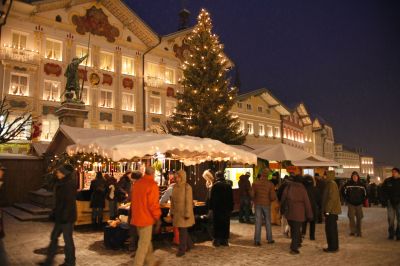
x: 341, y: 58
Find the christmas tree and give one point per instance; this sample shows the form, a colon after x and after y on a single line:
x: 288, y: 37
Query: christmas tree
x: 207, y: 97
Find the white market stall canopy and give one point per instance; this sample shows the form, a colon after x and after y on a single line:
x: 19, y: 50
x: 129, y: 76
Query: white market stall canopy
x: 283, y: 152
x: 119, y: 145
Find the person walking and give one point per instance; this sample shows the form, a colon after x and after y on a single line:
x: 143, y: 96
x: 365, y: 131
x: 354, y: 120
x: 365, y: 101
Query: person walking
x: 320, y: 183
x: 354, y: 193
x: 331, y: 208
x: 98, y: 188
x: 312, y: 192
x: 263, y: 193
x: 111, y: 195
x: 146, y: 212
x: 298, y: 209
x: 64, y: 216
x: 285, y: 228
x: 124, y: 188
x: 391, y: 198
x: 245, y: 199
x: 221, y: 204
x: 182, y: 212
x: 133, y: 235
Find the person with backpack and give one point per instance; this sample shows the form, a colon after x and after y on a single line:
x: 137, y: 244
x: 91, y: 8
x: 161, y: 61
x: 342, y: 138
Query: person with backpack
x: 354, y: 193
x: 98, y: 199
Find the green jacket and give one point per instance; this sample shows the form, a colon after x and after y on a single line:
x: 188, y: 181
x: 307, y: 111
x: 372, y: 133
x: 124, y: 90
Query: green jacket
x: 331, y: 198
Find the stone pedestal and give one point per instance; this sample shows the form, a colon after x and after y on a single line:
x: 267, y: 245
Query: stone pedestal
x: 72, y: 114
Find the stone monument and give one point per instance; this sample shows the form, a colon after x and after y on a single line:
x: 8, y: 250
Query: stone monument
x: 72, y: 111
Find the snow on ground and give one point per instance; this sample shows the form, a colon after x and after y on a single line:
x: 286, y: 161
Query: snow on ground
x: 23, y: 238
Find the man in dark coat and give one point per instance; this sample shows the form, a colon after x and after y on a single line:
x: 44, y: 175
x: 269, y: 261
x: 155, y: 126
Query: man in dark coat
x: 391, y: 199
x: 64, y: 215
x: 320, y: 183
x: 354, y: 193
x: 221, y: 203
x: 312, y: 192
x: 245, y: 201
x: 98, y: 199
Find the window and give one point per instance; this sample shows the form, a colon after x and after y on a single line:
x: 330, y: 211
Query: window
x: 170, y: 108
x: 261, y: 129
x: 105, y: 99
x: 128, y: 65
x: 269, y: 132
x: 169, y: 76
x: 249, y: 107
x: 250, y: 128
x: 154, y: 104
x: 19, y: 40
x: 49, y: 127
x: 260, y: 109
x: 106, y: 61
x: 239, y: 105
x: 51, y: 91
x: 85, y: 95
x: 19, y: 85
x: 128, y: 102
x: 53, y: 49
x: 81, y: 51
x: 153, y: 70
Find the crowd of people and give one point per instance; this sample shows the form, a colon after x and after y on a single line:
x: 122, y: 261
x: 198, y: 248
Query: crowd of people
x: 303, y: 201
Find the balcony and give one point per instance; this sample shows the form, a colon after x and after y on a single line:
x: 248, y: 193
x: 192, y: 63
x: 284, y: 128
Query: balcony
x: 19, y: 54
x: 154, y: 82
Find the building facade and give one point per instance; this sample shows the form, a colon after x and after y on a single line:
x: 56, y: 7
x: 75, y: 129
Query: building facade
x: 324, y: 141
x: 367, y: 165
x: 129, y: 68
x: 349, y: 161
x: 259, y: 113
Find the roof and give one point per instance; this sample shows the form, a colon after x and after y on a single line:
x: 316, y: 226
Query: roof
x: 268, y: 97
x: 303, y: 113
x: 39, y: 148
x: 118, y: 8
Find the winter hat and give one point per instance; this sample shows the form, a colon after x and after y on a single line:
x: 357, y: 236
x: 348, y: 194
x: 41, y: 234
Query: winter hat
x: 136, y: 175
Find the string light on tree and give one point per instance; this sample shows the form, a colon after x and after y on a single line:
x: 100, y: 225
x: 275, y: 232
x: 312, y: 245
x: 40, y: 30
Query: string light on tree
x: 204, y: 104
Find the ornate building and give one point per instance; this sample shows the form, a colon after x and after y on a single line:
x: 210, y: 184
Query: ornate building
x: 260, y: 113
x: 324, y: 140
x: 129, y: 69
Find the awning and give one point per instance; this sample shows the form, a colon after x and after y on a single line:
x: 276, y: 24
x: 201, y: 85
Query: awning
x: 314, y: 163
x: 126, y: 146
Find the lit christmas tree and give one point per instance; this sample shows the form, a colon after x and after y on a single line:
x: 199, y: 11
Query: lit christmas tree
x: 203, y: 106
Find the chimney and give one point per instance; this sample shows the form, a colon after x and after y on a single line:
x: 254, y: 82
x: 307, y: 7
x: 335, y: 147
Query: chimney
x: 183, y: 19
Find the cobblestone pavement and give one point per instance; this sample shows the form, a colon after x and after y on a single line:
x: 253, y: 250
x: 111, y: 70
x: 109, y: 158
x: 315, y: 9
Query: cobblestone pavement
x: 23, y: 238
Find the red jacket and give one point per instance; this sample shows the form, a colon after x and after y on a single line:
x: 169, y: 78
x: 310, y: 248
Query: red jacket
x: 145, y: 202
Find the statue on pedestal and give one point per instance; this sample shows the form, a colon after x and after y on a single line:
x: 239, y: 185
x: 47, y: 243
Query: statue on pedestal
x: 72, y: 76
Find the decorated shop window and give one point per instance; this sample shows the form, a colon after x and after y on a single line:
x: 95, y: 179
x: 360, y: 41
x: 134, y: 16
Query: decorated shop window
x: 106, y: 61
x: 106, y: 99
x: 155, y: 104
x: 128, y: 101
x: 81, y: 51
x: 128, y: 66
x: 19, y: 84
x: 51, y: 90
x: 49, y: 127
x: 53, y: 49
x: 170, y: 108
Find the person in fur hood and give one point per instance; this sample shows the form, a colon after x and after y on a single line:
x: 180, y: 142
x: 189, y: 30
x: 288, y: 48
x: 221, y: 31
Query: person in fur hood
x: 182, y: 211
